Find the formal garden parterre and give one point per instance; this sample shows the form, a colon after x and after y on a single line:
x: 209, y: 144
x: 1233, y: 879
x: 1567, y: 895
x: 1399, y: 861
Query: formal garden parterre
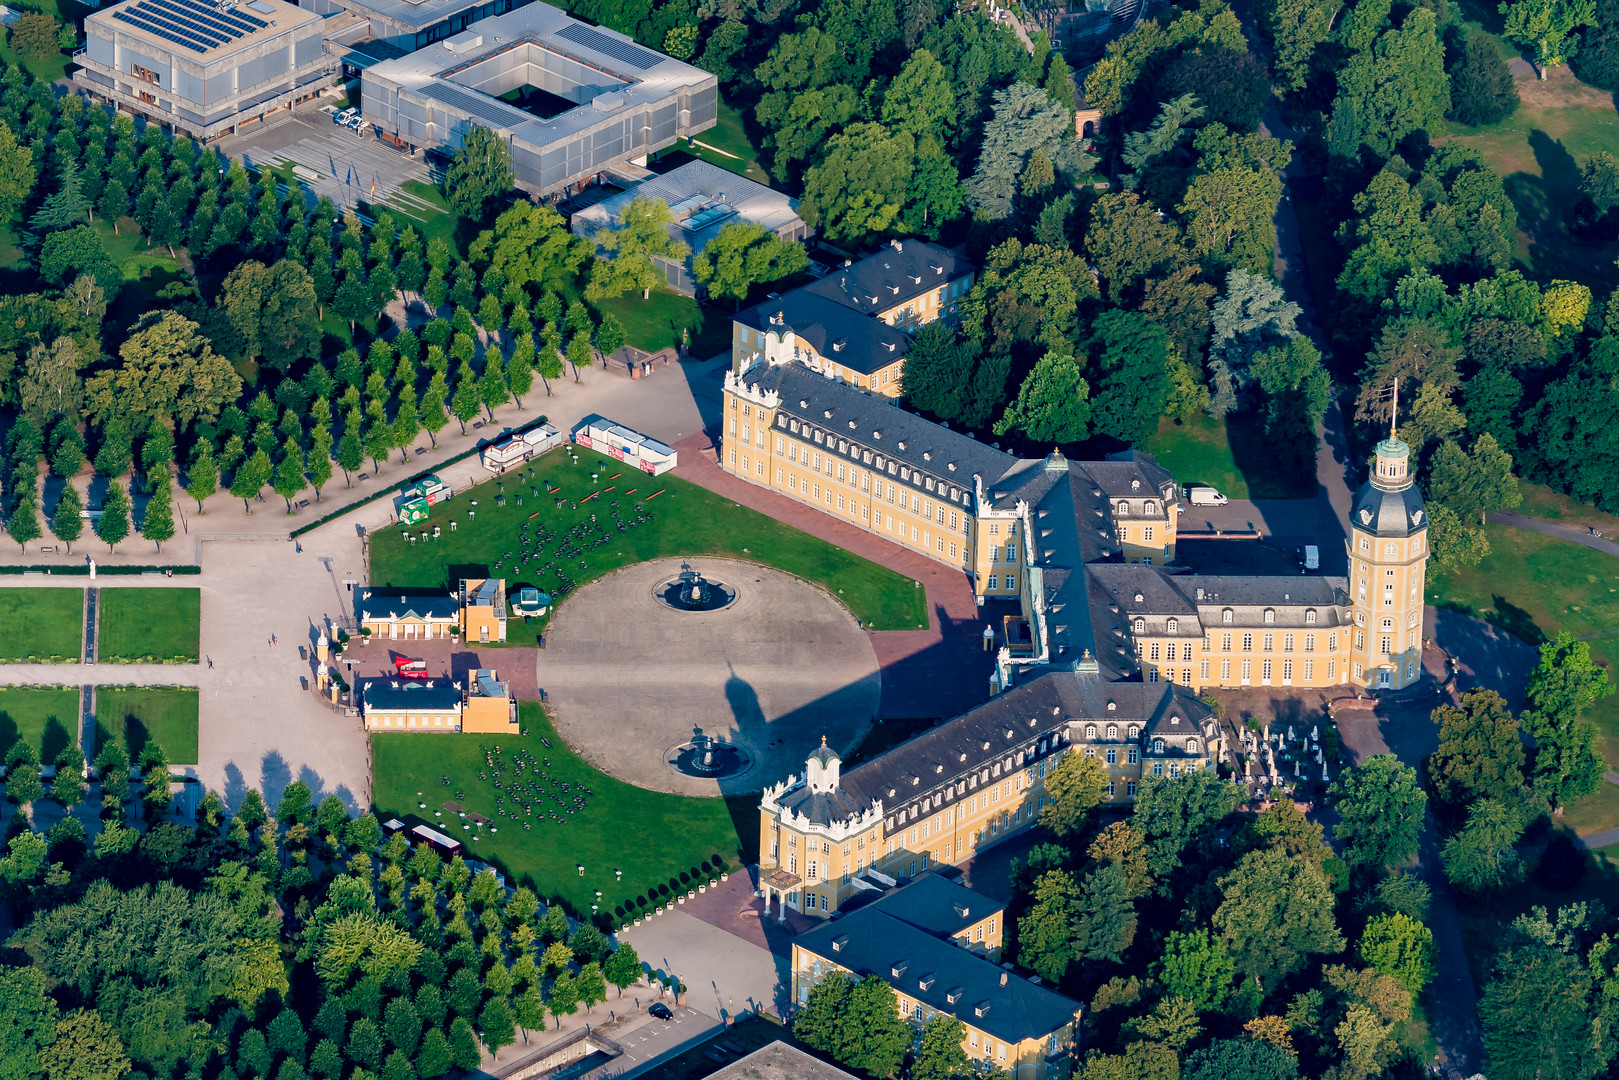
x: 156, y: 625
x: 41, y: 625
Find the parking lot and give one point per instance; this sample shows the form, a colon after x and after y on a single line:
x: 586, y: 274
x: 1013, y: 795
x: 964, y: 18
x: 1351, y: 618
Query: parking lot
x: 334, y: 161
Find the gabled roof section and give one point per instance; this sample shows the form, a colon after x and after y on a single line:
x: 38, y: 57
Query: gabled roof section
x: 397, y: 606
x: 842, y: 336
x: 870, y: 941
x: 390, y: 694
x: 873, y: 423
x: 898, y: 273
x: 937, y: 905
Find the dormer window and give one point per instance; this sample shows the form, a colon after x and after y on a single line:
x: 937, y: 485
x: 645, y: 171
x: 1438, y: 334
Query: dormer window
x: 1112, y: 706
x: 1225, y: 616
x: 1135, y: 485
x: 1141, y: 626
x: 1309, y: 617
x: 1158, y: 746
x: 1134, y: 731
x: 1149, y: 507
x: 1191, y: 746
x: 1113, y: 731
x: 1174, y: 625
x: 1090, y: 731
x: 1124, y: 507
x: 1270, y: 616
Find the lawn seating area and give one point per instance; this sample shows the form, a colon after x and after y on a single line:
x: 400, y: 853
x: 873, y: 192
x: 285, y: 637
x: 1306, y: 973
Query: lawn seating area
x: 583, y: 818
x: 159, y: 626
x: 41, y: 626
x: 555, y: 525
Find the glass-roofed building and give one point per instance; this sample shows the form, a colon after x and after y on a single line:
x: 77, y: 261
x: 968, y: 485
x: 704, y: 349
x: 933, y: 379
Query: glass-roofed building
x: 203, y: 68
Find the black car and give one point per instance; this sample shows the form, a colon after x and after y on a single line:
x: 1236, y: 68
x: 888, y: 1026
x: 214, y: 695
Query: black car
x: 661, y: 1011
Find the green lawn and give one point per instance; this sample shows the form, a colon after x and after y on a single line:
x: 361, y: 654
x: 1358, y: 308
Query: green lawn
x: 130, y: 251
x: 656, y: 323
x: 149, y: 626
x: 650, y: 836
x: 1539, y: 151
x: 1229, y: 456
x: 41, y: 625
x: 1536, y: 586
x: 728, y: 146
x: 686, y: 520
x: 138, y: 715
x: 444, y: 225
x: 1543, y: 502
x: 45, y: 717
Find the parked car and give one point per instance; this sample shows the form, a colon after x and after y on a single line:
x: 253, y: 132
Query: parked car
x: 661, y: 1011
x: 1203, y: 495
x: 342, y: 116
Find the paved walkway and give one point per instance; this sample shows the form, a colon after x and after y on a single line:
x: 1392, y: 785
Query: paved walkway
x: 1582, y: 536
x: 665, y: 406
x: 934, y: 673
x: 100, y: 674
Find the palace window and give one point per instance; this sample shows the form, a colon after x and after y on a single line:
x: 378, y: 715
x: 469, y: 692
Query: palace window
x: 1225, y: 616
x: 1270, y: 616
x: 1173, y: 626
x: 1309, y: 617
x: 1247, y: 643
x: 1113, y: 731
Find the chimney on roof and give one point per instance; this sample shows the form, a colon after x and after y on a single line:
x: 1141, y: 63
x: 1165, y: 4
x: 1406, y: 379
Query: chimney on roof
x: 897, y: 245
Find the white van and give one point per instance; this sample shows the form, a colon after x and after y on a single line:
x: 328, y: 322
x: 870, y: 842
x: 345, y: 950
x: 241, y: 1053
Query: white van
x: 1203, y: 495
x: 1310, y: 558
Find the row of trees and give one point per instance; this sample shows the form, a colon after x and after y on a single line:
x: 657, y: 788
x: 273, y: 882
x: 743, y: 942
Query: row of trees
x: 417, y: 966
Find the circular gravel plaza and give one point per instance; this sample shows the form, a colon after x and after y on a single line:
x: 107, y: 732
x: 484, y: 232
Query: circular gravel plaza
x: 630, y: 681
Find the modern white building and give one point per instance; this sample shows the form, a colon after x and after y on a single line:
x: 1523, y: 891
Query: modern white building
x: 569, y: 99
x: 201, y: 67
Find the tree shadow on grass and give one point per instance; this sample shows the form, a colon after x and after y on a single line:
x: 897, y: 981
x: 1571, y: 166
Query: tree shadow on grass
x: 9, y: 732
x: 57, y: 738
x: 1515, y: 621
x: 1275, y: 468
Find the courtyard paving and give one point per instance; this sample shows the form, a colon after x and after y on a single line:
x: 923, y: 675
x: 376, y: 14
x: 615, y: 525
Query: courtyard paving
x: 926, y: 674
x: 629, y: 679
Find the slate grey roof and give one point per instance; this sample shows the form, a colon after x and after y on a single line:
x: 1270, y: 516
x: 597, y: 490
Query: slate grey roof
x: 821, y: 807
x: 1006, y: 728
x: 1264, y: 590
x: 779, y: 1061
x: 874, y: 423
x: 1389, y: 513
x: 390, y: 694
x: 842, y: 336
x: 936, y: 905
x: 930, y: 970
x: 900, y: 272
x: 1116, y: 474
x: 387, y: 605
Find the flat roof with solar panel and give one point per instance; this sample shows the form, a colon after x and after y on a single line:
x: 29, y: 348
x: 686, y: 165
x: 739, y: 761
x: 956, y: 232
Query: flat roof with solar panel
x: 200, y: 30
x: 618, y: 101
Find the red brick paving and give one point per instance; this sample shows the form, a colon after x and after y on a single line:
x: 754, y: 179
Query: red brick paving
x: 932, y: 673
x: 732, y: 906
x: 451, y: 658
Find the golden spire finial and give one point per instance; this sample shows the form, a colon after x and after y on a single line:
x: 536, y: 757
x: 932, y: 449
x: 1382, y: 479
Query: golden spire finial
x: 823, y: 740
